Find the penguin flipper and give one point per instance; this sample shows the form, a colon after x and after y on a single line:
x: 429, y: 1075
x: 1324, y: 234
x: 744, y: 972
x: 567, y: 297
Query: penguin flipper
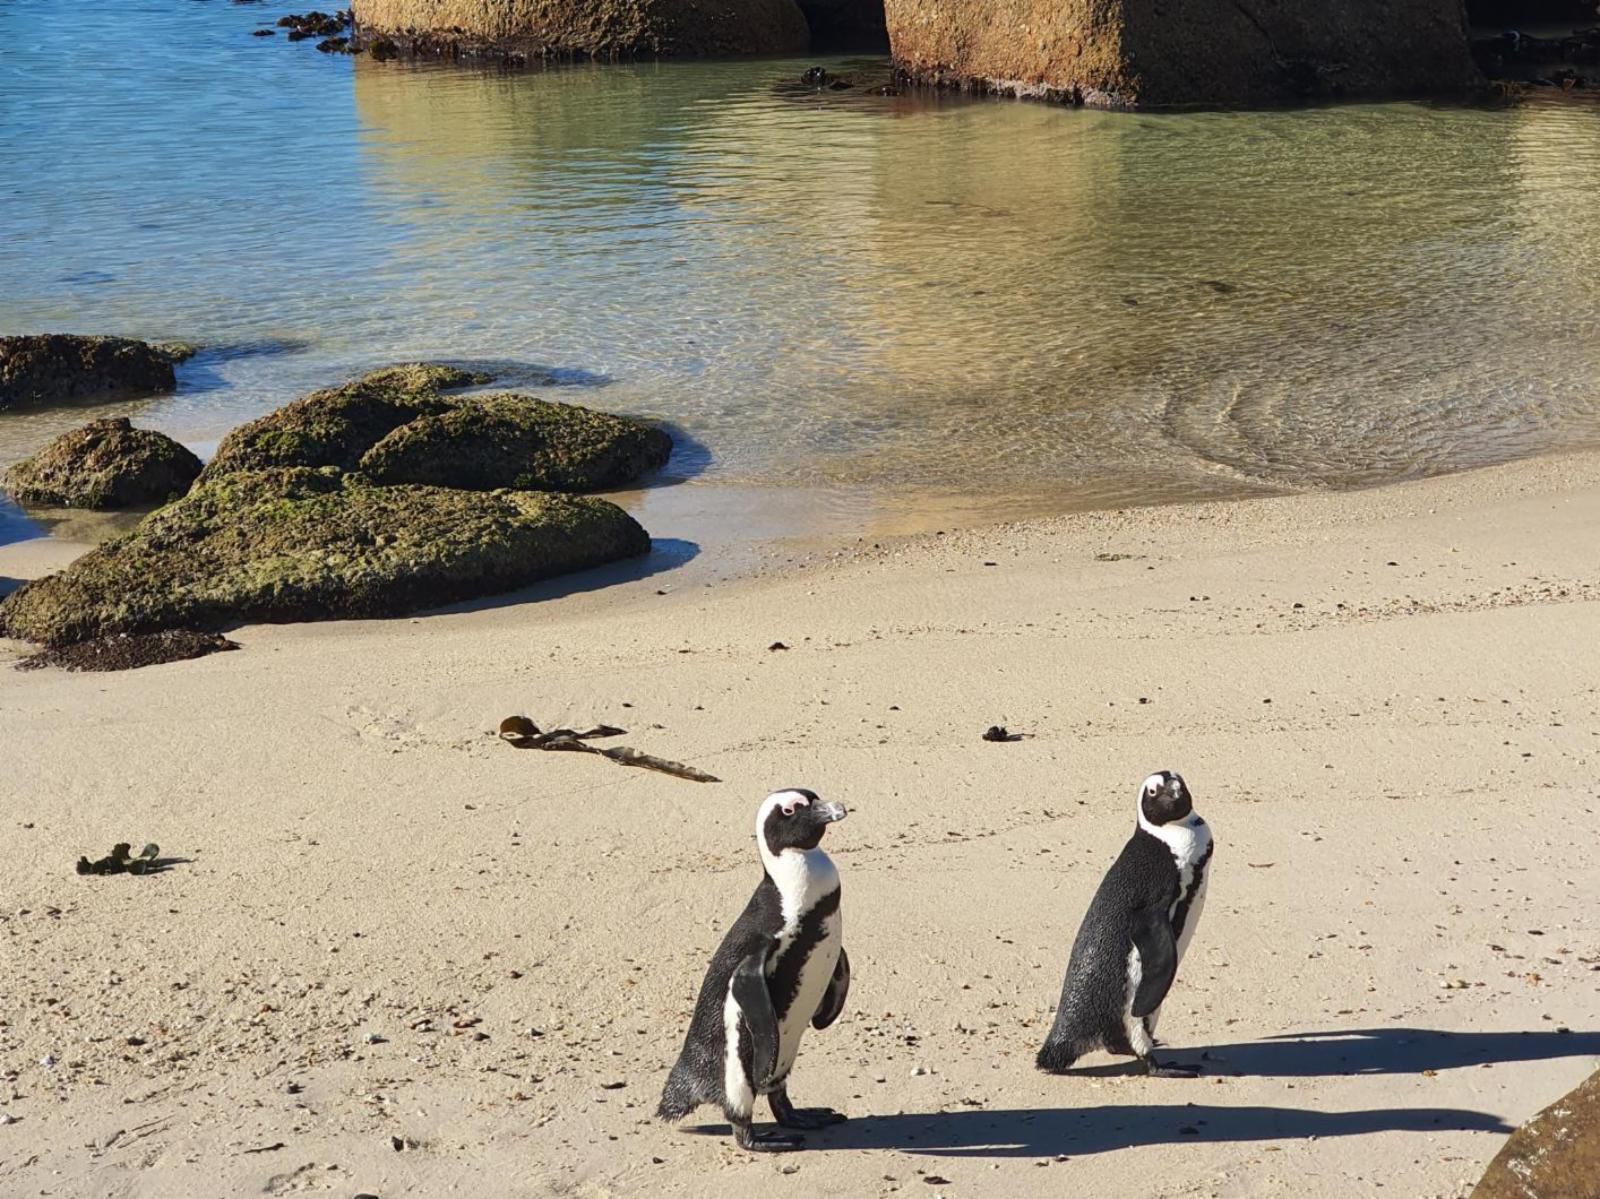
x: 749, y: 989
x: 1158, y: 961
x: 833, y: 998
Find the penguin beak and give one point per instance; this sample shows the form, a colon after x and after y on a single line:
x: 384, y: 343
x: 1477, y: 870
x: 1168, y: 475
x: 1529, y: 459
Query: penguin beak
x: 829, y: 813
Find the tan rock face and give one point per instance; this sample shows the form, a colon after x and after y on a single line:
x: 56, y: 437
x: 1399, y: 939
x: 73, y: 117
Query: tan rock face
x: 1144, y: 54
x: 532, y: 29
x: 1555, y: 1155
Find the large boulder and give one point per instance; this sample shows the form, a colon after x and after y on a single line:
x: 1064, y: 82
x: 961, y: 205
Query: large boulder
x: 105, y: 464
x: 482, y: 443
x: 532, y: 30
x: 65, y: 368
x: 337, y: 426
x: 1174, y: 53
x: 298, y: 544
x: 1555, y: 1155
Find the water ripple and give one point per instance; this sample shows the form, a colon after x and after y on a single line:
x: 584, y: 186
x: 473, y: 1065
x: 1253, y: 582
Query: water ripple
x: 834, y: 289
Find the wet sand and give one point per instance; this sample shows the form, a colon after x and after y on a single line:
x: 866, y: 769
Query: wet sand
x: 386, y: 927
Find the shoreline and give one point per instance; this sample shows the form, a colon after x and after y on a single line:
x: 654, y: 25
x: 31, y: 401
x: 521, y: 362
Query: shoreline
x: 385, y: 923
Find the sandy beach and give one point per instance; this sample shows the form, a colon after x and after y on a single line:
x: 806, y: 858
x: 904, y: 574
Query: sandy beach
x: 398, y: 956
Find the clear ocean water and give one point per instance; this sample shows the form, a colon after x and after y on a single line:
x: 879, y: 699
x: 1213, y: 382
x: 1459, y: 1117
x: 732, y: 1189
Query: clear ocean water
x: 853, y: 309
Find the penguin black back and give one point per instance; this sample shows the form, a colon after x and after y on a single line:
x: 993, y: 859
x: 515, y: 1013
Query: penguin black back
x: 780, y: 967
x: 1127, y: 949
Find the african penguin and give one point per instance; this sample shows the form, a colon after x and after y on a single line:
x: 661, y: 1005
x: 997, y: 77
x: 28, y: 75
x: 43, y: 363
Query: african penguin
x: 1130, y: 943
x: 781, y: 966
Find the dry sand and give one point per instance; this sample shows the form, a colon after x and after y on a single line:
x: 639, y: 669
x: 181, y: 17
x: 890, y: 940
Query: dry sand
x: 389, y: 928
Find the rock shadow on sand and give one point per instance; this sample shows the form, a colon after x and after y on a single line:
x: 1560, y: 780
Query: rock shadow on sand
x: 1080, y: 1131
x: 666, y: 554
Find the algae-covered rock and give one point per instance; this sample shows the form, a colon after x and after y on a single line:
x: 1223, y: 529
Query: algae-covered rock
x: 297, y: 544
x: 336, y: 426
x: 175, y: 351
x: 61, y: 368
x: 1555, y: 1155
x: 484, y: 442
x: 105, y: 464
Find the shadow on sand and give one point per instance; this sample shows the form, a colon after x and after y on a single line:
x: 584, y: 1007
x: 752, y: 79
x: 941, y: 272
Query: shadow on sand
x: 1077, y: 1131
x: 1371, y: 1051
x: 666, y: 554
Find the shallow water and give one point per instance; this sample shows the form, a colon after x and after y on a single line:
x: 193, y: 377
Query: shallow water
x: 849, y: 306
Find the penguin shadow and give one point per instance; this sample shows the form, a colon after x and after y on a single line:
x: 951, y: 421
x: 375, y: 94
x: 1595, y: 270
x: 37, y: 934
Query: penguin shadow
x: 1356, y: 1051
x: 1082, y: 1131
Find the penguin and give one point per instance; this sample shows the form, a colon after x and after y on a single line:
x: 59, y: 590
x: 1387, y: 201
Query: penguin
x: 781, y: 966
x: 1134, y: 935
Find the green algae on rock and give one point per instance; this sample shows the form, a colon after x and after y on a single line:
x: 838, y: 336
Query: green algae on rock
x: 63, y: 368
x: 336, y: 426
x: 298, y: 544
x: 485, y: 442
x: 105, y: 464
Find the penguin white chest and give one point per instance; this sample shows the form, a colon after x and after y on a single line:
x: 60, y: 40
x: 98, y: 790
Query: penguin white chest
x: 807, y: 883
x: 1190, y: 843
x: 815, y: 974
x: 1192, y: 889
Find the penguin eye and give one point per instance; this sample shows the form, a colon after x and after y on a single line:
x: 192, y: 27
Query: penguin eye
x: 789, y: 805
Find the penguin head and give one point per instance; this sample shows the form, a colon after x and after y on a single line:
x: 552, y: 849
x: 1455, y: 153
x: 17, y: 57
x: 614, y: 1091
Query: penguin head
x: 1164, y: 798
x: 794, y: 818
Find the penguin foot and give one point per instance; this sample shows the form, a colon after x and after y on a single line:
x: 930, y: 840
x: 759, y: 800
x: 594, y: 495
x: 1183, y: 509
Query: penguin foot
x: 811, y: 1117
x: 1155, y: 1069
x: 789, y: 1116
x: 765, y: 1142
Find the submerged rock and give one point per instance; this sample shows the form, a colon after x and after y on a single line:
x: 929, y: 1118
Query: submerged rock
x: 105, y: 464
x: 517, y: 441
x: 60, y: 368
x: 337, y: 426
x: 1555, y: 1155
x: 298, y: 544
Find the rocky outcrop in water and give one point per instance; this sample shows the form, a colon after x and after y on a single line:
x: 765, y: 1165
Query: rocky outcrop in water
x: 531, y: 30
x: 335, y: 427
x: 1146, y: 54
x: 299, y: 544
x: 518, y: 441
x: 105, y: 464
x: 1555, y: 1155
x: 1570, y: 60
x: 396, y: 426
x: 66, y: 368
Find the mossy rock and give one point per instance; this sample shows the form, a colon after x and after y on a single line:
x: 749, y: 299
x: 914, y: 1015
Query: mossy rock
x: 298, y: 544
x: 66, y: 368
x: 105, y: 464
x: 485, y: 442
x: 336, y: 426
x: 175, y: 351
